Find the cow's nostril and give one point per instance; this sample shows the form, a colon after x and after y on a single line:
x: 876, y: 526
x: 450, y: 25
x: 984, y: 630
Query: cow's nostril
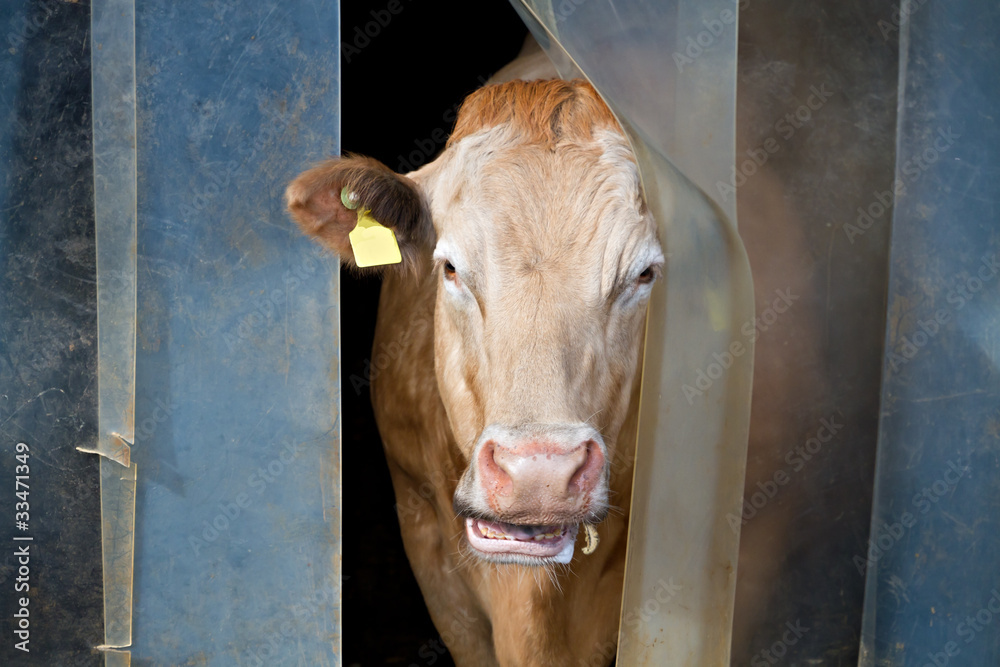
x: 588, y: 474
x: 495, y: 477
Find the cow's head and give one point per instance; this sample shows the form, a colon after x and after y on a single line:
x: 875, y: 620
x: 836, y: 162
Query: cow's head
x: 544, y: 255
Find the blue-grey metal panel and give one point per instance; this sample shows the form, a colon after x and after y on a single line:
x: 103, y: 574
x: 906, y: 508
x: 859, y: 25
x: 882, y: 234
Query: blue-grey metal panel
x: 933, y: 581
x: 236, y: 426
x: 50, y: 570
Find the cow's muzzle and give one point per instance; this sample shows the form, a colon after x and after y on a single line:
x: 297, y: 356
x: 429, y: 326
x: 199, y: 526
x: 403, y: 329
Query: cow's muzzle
x: 527, y: 489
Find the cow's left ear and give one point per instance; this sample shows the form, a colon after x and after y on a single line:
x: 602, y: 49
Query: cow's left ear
x: 314, y: 200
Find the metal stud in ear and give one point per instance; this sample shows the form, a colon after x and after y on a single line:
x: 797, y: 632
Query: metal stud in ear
x: 348, y: 198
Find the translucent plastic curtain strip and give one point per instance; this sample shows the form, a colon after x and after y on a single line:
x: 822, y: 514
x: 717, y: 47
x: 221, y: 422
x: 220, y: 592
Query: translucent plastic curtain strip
x: 674, y: 66
x: 691, y: 452
x: 113, y: 86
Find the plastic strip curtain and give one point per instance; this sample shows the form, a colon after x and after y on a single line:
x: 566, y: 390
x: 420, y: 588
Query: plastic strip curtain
x: 113, y: 56
x: 677, y: 106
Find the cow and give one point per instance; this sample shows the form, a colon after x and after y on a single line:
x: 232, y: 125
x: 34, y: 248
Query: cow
x: 517, y: 313
x: 515, y: 322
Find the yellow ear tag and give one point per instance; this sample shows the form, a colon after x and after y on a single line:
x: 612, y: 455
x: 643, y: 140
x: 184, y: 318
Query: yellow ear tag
x: 373, y: 244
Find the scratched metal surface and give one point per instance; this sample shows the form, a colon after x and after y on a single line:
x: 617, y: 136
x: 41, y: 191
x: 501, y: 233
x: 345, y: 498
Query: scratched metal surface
x: 237, y: 544
x: 933, y: 585
x: 48, y: 334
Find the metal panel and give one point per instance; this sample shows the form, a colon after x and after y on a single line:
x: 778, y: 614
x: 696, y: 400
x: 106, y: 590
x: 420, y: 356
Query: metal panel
x: 237, y: 426
x: 48, y: 342
x: 932, y: 579
x: 231, y: 357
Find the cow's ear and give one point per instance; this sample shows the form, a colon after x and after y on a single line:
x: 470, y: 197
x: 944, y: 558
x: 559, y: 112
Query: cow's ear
x: 314, y: 200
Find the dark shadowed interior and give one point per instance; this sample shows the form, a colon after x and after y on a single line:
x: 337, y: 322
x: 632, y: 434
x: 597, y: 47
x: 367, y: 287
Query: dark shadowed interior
x: 416, y: 69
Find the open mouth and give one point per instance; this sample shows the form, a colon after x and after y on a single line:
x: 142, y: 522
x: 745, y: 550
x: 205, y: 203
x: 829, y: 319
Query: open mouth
x: 508, y: 541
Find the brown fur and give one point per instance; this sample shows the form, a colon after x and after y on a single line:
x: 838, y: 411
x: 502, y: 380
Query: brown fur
x: 314, y: 201
x: 577, y: 359
x: 510, y: 616
x: 519, y: 616
x: 540, y: 112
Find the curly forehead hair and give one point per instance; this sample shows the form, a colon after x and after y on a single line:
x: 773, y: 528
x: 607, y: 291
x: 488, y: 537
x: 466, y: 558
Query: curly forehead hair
x: 541, y: 112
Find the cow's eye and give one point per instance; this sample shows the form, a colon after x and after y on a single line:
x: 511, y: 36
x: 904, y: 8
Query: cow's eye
x: 647, y: 276
x: 449, y: 270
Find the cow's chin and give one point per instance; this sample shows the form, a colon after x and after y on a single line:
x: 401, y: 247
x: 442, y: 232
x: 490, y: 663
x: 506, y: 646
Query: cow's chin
x: 510, y: 543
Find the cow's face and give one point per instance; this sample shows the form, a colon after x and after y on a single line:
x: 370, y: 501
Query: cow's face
x: 544, y: 258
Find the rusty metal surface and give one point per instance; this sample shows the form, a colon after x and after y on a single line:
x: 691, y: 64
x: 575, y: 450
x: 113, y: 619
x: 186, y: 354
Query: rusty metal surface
x: 170, y: 277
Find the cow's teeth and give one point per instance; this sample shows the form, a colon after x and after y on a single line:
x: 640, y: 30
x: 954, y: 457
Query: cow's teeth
x: 548, y: 536
x: 488, y: 531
